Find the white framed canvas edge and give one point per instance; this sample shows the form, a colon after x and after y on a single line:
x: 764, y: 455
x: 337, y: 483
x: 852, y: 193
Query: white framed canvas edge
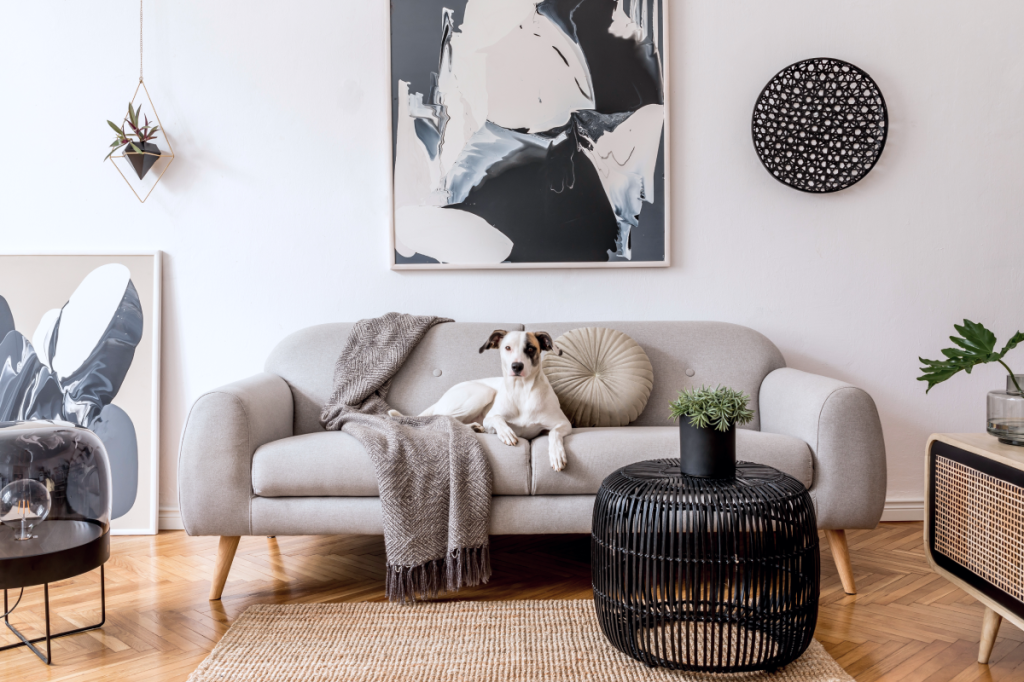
x: 154, y: 510
x: 667, y: 262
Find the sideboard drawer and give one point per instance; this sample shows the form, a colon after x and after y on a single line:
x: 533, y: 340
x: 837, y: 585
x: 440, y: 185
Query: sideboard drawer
x: 976, y: 522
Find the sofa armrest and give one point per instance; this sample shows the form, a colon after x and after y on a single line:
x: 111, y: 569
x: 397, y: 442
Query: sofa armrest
x: 223, y: 430
x: 840, y: 424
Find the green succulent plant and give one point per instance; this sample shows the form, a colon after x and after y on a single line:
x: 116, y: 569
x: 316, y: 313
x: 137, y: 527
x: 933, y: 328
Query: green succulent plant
x: 976, y: 346
x: 705, y: 406
x: 142, y: 133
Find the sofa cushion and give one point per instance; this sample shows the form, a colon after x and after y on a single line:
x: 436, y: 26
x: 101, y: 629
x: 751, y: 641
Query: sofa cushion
x: 306, y: 361
x: 601, y: 377
x: 595, y: 453
x: 334, y: 464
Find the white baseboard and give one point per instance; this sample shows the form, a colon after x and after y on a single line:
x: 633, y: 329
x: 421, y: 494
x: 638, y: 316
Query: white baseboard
x: 903, y: 510
x: 895, y: 510
x: 170, y: 519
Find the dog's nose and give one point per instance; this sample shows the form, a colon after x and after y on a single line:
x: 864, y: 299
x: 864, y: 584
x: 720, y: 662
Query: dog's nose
x: 517, y: 367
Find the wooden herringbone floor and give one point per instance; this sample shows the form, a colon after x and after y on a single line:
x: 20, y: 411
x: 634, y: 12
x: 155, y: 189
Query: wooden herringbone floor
x: 906, y: 623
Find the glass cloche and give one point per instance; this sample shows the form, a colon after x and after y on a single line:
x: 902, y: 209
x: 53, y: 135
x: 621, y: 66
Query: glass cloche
x: 59, y: 463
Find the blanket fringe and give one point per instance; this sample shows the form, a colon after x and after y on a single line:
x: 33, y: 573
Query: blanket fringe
x: 464, y: 567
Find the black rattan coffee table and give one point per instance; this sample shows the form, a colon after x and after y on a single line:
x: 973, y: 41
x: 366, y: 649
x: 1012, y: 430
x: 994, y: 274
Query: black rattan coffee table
x: 717, y: 575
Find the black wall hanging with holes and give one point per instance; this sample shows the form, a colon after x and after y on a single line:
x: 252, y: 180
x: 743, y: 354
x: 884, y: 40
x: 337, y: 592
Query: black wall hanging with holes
x: 820, y: 125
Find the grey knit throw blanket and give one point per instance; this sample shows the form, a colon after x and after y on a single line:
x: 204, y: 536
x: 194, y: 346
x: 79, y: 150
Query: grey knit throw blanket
x: 434, y: 479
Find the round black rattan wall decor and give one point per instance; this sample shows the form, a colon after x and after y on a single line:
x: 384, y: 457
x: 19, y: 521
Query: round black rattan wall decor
x: 820, y: 125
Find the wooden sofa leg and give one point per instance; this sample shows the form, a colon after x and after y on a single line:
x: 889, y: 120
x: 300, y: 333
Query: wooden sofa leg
x: 225, y: 555
x: 841, y: 554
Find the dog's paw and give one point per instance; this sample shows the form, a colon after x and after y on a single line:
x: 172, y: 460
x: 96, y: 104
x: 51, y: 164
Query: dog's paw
x: 395, y: 413
x: 556, y: 454
x: 508, y: 437
x: 477, y: 427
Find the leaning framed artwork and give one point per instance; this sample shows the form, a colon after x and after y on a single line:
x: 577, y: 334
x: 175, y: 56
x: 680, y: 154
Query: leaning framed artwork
x: 80, y: 343
x: 529, y: 134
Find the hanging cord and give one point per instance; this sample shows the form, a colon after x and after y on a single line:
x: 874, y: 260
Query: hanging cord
x: 20, y: 595
x: 140, y: 41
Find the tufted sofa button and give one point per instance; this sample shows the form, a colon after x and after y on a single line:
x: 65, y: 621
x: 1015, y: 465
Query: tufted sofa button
x: 689, y: 372
x: 437, y: 372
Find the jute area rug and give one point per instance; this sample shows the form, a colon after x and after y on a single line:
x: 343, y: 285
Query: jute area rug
x: 513, y: 641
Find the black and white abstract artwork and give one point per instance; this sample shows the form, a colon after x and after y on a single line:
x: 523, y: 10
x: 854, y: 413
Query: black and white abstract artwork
x: 69, y: 363
x: 529, y: 133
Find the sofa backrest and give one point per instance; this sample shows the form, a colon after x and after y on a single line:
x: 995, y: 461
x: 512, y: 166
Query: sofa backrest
x: 447, y: 355
x: 713, y: 352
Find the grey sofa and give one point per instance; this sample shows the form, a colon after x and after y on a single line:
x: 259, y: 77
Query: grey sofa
x: 255, y: 461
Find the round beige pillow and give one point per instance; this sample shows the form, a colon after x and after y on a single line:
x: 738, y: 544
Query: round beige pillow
x: 602, y: 378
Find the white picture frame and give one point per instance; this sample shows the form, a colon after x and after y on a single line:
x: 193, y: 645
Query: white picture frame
x: 139, y: 395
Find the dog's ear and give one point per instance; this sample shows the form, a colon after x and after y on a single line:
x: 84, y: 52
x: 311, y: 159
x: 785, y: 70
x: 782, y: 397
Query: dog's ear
x: 496, y: 336
x: 545, y: 342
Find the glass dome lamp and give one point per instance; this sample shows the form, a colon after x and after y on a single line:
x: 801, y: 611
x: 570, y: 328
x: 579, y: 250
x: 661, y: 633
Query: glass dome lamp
x: 55, y: 489
x: 23, y: 505
x: 56, y: 493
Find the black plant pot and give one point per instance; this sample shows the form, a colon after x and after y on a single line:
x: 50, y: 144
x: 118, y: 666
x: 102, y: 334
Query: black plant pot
x: 142, y: 162
x: 706, y: 453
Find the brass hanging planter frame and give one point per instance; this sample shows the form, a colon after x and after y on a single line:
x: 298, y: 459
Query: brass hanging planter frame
x: 170, y: 148
x: 167, y: 139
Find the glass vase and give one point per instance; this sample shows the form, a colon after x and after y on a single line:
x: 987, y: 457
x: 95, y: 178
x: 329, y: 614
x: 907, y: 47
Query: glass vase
x: 1006, y: 413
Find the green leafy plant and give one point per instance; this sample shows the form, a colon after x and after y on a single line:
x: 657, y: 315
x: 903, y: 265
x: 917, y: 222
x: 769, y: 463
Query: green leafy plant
x: 721, y: 407
x: 975, y: 346
x: 142, y: 133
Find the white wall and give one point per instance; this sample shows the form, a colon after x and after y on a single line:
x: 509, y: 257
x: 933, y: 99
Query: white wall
x: 274, y: 214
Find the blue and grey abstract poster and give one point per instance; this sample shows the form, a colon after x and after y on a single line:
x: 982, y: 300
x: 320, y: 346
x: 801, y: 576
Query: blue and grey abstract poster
x: 74, y: 363
x: 528, y: 132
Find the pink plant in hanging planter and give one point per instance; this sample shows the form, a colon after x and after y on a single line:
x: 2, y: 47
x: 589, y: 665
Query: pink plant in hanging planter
x: 139, y: 151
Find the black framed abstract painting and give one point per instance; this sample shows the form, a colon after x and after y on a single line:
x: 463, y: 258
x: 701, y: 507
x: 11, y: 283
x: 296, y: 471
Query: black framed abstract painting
x: 529, y: 133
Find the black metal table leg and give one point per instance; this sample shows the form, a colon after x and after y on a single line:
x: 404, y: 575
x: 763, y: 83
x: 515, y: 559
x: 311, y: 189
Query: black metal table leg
x: 30, y: 643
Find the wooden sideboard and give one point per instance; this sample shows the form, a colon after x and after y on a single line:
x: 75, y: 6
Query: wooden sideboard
x: 974, y: 523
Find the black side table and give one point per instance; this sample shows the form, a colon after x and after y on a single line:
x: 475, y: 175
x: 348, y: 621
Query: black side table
x: 716, y: 575
x: 72, y: 464
x: 61, y: 550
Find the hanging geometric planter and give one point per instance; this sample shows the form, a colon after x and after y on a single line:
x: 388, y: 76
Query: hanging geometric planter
x: 141, y: 162
x: 135, y: 152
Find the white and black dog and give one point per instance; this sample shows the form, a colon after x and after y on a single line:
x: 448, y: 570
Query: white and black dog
x: 518, y: 404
